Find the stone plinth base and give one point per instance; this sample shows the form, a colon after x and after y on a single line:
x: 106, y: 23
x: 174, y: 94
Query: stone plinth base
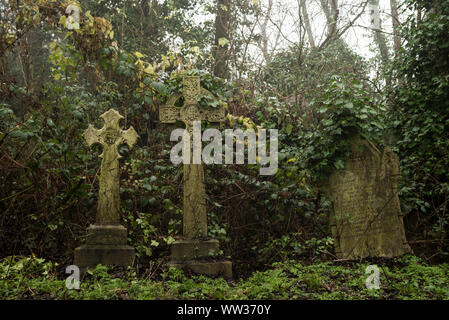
x: 91, y: 255
x: 208, y: 268
x: 106, y: 245
x: 198, y: 256
x: 189, y: 249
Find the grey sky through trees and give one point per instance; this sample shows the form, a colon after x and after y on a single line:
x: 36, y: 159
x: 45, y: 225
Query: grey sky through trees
x: 283, y: 25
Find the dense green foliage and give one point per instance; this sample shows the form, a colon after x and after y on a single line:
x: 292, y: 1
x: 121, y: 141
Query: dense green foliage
x: 421, y: 117
x: 405, y: 278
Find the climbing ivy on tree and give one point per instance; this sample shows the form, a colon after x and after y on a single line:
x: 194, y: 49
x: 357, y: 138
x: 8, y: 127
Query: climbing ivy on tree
x: 421, y: 112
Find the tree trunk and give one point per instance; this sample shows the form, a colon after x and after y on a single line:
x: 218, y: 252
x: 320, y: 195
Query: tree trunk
x: 334, y: 16
x: 264, y: 35
x: 303, y: 12
x: 330, y: 9
x: 222, y: 31
x: 396, y: 23
x: 379, y: 36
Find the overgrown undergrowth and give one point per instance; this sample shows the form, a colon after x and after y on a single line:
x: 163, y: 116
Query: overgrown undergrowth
x: 403, y: 278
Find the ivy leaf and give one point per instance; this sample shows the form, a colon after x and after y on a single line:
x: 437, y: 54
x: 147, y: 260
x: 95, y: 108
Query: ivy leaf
x: 154, y: 243
x: 158, y: 86
x: 147, y: 99
x: 322, y: 109
x: 170, y: 240
x: 339, y: 164
x: 349, y: 105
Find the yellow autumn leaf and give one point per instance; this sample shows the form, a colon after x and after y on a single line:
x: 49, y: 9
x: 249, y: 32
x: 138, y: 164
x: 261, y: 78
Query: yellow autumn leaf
x: 222, y: 42
x: 231, y: 119
x: 139, y: 55
x: 195, y: 50
x: 63, y: 20
x: 149, y: 69
x: 36, y: 20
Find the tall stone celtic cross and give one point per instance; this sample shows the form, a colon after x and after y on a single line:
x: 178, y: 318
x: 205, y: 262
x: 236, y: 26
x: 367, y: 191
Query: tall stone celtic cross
x: 195, y: 214
x: 110, y: 137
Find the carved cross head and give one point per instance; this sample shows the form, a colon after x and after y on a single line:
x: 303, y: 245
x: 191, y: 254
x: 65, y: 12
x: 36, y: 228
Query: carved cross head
x: 191, y: 89
x: 191, y: 111
x: 111, y: 135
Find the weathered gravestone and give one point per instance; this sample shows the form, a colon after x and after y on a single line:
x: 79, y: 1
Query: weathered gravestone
x: 366, y: 218
x: 106, y: 241
x: 195, y: 251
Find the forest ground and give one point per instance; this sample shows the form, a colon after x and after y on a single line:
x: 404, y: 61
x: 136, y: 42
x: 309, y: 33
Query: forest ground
x: 403, y: 278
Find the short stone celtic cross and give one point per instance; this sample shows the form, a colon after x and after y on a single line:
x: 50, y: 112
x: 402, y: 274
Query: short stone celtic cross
x: 110, y: 137
x: 106, y: 239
